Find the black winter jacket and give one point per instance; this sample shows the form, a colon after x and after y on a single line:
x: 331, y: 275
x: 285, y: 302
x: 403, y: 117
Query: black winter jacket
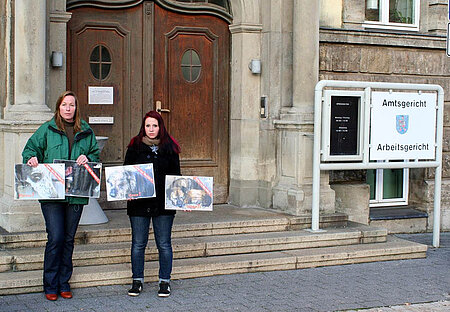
x: 164, y: 163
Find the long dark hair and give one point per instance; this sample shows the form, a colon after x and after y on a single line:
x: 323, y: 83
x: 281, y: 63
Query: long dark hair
x: 167, y: 142
x: 58, y: 119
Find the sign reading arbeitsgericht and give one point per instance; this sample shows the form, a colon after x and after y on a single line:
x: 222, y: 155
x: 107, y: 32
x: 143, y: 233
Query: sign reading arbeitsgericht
x: 403, y: 126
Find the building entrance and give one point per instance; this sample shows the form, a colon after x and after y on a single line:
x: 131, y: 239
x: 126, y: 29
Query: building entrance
x: 147, y: 57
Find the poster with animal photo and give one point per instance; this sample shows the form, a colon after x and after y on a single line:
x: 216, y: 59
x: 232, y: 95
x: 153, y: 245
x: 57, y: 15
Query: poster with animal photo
x: 82, y: 181
x: 129, y: 182
x: 189, y: 193
x: 45, y: 181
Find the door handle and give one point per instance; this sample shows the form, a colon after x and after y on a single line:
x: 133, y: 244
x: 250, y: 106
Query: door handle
x: 161, y: 110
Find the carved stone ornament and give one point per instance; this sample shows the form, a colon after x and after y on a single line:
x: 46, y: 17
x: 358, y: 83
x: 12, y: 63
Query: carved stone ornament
x: 106, y: 4
x: 173, y: 5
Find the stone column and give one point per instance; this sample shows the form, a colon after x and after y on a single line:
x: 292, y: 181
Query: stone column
x: 244, y: 115
x: 305, y: 60
x: 305, y: 52
x: 57, y: 41
x: 293, y: 190
x: 29, y: 62
x: 26, y: 112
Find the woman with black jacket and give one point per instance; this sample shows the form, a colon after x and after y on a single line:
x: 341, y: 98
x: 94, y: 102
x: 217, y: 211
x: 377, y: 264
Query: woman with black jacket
x: 153, y: 145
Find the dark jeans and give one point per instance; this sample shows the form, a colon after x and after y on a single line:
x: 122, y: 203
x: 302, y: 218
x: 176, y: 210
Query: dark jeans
x: 61, y: 222
x: 162, y: 228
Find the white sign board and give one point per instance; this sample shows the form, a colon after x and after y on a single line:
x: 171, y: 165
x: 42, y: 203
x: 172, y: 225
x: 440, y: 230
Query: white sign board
x: 101, y: 120
x: 403, y: 126
x: 100, y: 95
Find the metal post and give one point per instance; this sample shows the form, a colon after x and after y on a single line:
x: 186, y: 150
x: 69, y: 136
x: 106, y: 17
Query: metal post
x: 438, y: 172
x: 437, y: 207
x: 315, y: 218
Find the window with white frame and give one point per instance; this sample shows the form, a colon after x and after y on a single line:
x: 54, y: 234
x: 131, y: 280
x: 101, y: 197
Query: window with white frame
x: 392, y: 14
x: 388, y: 187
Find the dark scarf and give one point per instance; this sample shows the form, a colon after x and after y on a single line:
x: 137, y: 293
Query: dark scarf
x: 153, y: 143
x: 68, y: 128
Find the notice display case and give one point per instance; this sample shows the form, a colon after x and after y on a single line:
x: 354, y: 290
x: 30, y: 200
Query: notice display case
x: 342, y: 125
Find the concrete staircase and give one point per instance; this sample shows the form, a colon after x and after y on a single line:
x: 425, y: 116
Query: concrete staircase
x: 227, y: 241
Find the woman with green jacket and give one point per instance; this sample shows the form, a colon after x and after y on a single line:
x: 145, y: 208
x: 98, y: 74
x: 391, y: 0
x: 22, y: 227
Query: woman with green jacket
x: 65, y: 137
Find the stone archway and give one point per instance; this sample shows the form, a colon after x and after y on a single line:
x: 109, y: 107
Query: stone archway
x: 245, y: 11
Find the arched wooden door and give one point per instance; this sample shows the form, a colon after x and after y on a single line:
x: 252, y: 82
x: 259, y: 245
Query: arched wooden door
x: 148, y: 57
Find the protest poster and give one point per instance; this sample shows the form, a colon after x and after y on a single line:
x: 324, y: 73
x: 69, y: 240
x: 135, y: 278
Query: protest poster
x: 82, y: 181
x: 129, y: 182
x: 45, y: 181
x: 189, y: 193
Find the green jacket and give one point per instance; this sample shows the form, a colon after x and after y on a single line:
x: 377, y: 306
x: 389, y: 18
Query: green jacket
x: 48, y: 143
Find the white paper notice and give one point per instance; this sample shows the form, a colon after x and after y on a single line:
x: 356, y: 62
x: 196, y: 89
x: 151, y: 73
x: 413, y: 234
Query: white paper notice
x: 100, y: 95
x: 101, y: 120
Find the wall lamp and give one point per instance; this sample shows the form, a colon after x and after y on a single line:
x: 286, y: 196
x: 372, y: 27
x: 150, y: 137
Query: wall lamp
x: 255, y: 66
x: 57, y: 59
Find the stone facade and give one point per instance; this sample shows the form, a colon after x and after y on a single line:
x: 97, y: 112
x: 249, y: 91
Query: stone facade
x: 354, y: 53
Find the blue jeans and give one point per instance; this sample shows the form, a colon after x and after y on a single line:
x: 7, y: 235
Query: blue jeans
x: 162, y: 228
x: 61, y: 222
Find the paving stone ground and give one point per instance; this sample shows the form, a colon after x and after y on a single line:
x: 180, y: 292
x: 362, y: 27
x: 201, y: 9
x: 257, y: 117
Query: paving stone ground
x: 406, y: 285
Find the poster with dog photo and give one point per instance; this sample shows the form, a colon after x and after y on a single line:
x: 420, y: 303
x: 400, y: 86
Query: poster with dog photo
x: 82, y: 181
x: 129, y: 182
x: 189, y: 193
x: 45, y: 181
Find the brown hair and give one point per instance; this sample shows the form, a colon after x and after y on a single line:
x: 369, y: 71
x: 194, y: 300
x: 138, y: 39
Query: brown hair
x: 58, y: 119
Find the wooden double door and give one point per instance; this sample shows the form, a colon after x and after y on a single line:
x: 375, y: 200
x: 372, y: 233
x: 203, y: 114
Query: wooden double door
x: 148, y: 58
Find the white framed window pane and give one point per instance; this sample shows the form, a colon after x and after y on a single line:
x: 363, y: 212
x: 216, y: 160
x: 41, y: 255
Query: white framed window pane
x: 388, y: 187
x: 373, y: 10
x: 392, y: 183
x: 392, y: 14
x: 371, y: 180
x: 401, y: 11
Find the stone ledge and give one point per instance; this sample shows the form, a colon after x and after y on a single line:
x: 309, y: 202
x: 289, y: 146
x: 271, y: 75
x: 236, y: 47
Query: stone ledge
x: 328, y: 35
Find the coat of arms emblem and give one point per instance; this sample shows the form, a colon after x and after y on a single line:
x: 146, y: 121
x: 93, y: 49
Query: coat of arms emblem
x: 402, y: 123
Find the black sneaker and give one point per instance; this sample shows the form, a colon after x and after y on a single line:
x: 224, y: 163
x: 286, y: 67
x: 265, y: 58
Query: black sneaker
x: 136, y: 288
x: 164, y: 289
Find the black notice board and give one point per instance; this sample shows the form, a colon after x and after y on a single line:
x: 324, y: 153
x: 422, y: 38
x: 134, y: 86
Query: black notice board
x: 344, y: 125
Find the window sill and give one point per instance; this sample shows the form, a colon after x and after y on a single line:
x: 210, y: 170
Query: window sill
x: 382, y: 37
x: 393, y: 27
x: 395, y: 213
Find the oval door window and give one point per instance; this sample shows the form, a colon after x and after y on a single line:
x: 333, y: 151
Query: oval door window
x: 100, y: 62
x: 191, y: 65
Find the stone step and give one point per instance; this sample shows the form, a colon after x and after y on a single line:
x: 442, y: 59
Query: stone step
x: 119, y: 231
x: 110, y: 253
x: 85, y: 276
